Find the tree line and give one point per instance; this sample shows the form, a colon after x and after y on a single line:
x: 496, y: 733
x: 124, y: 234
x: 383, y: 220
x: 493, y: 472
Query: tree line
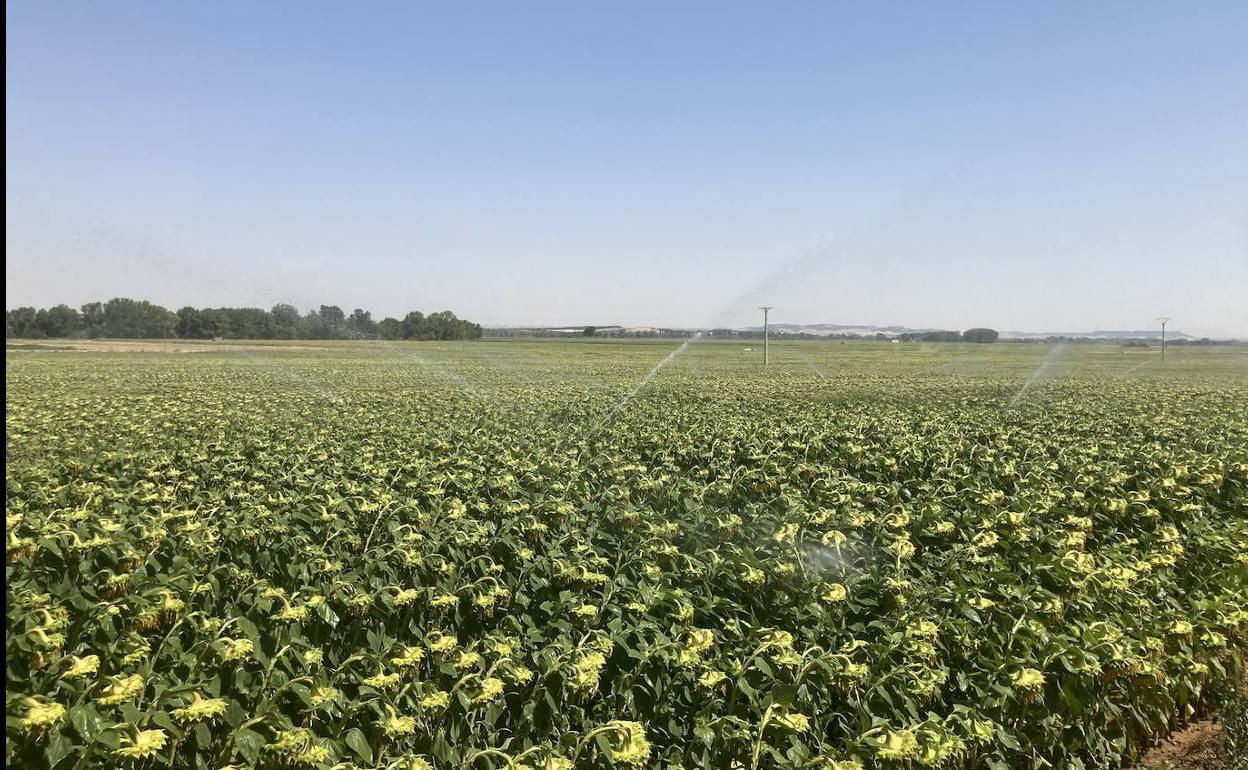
x: 978, y: 334
x: 970, y: 335
x: 122, y: 318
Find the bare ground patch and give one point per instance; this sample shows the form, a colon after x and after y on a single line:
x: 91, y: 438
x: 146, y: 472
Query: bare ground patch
x: 1216, y: 744
x: 1197, y: 746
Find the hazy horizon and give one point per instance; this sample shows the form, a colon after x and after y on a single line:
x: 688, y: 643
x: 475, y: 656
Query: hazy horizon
x: 1029, y: 168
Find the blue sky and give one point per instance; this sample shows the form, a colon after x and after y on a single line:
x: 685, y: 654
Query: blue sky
x: 1030, y: 166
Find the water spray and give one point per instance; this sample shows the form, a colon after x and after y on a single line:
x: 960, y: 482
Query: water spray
x: 1045, y: 365
x: 272, y: 365
x: 650, y: 375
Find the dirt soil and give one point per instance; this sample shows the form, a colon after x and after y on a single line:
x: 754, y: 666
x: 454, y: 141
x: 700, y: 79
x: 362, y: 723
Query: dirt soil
x: 1195, y: 747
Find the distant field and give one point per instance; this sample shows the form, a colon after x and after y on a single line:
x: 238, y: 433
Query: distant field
x: 809, y: 357
x: 570, y: 553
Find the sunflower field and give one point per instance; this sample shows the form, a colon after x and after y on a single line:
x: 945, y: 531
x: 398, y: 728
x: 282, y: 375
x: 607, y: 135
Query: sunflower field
x: 508, y: 555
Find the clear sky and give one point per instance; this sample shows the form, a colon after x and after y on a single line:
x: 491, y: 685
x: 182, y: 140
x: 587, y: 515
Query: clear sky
x: 1029, y: 166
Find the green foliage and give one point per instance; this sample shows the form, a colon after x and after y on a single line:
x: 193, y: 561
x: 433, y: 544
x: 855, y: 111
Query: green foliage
x: 59, y: 321
x: 933, y: 336
x: 1234, y: 740
x: 361, y: 325
x: 128, y: 318
x: 125, y: 318
x: 980, y: 335
x: 390, y: 329
x: 315, y: 560
x: 23, y: 322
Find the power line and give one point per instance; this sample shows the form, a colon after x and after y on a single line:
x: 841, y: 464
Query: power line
x: 765, y: 309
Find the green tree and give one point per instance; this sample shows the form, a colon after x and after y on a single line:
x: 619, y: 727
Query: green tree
x: 935, y: 336
x: 313, y: 327
x: 22, y: 322
x: 249, y: 323
x: 93, y: 318
x: 414, y: 326
x: 980, y: 334
x: 360, y: 325
x: 127, y: 318
x: 60, y: 321
x: 137, y: 319
x: 190, y: 324
x: 286, y: 322
x: 217, y: 323
x: 390, y: 329
x: 333, y: 322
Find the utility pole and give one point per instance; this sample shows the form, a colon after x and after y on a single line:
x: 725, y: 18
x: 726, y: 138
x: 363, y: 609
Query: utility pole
x: 765, y: 309
x: 1164, y: 321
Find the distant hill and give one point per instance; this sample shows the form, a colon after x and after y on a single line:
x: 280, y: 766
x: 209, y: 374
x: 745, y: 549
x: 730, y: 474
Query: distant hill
x: 824, y: 330
x: 1129, y: 334
x: 894, y: 331
x: 842, y: 329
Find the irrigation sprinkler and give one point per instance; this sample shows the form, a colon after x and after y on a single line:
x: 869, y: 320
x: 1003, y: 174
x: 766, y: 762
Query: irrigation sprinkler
x: 765, y: 309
